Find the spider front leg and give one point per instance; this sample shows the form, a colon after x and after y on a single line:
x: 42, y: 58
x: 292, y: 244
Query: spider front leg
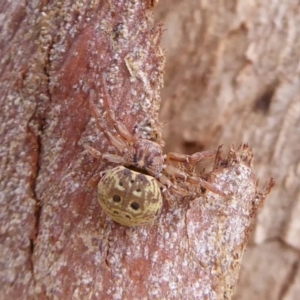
x: 207, y: 185
x: 117, y: 141
x: 120, y: 128
x: 167, y: 185
x: 178, y: 157
x: 109, y: 157
x: 122, y: 142
x: 193, y: 180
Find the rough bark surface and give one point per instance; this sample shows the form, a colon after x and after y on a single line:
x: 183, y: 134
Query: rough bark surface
x: 56, y: 242
x: 232, y: 75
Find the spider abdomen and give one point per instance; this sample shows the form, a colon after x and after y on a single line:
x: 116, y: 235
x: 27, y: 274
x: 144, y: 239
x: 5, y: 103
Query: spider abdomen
x: 130, y: 198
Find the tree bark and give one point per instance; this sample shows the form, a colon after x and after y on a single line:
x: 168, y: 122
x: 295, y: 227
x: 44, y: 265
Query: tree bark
x: 232, y: 75
x: 56, y: 242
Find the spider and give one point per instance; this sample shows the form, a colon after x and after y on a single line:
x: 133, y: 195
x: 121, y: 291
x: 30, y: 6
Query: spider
x: 131, y: 192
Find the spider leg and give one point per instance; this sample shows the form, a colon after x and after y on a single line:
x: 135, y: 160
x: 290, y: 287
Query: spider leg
x: 168, y: 185
x: 176, y: 172
x: 164, y: 180
x: 178, y: 157
x: 109, y: 157
x: 120, y: 128
x: 117, y: 141
x: 94, y: 152
x: 207, y: 185
x: 193, y: 180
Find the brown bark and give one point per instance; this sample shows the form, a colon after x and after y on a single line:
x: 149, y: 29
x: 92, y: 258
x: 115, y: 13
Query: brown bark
x: 56, y: 242
x: 232, y: 75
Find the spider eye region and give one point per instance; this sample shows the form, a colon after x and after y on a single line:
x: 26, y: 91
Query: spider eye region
x: 128, y: 197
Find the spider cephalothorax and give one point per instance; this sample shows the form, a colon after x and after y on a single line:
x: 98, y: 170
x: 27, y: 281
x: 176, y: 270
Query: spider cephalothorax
x: 146, y: 155
x: 129, y: 197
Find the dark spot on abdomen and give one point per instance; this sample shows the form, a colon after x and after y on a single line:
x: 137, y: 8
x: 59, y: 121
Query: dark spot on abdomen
x: 116, y: 198
x: 134, y: 205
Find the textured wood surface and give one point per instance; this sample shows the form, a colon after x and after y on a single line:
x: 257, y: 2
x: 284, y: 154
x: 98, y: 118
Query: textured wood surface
x: 56, y: 242
x: 232, y: 75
